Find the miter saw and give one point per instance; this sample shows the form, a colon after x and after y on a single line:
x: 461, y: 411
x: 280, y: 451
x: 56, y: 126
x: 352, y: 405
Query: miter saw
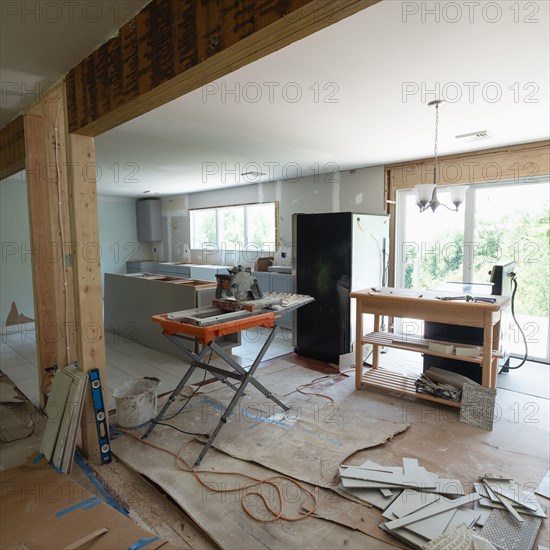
x: 238, y: 295
x: 238, y: 285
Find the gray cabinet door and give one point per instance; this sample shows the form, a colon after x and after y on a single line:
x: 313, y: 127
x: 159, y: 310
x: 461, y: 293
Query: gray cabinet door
x: 264, y: 280
x: 282, y: 283
x: 148, y: 217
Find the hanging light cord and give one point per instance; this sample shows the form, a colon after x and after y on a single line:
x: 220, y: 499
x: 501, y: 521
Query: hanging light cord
x: 435, y: 144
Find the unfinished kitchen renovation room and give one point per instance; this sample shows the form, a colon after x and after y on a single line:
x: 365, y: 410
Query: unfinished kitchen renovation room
x: 275, y: 274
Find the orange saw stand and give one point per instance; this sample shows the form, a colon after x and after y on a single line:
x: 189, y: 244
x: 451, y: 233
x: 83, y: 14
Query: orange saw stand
x: 176, y: 332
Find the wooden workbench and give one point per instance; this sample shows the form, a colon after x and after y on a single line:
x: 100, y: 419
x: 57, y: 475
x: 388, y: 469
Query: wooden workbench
x: 422, y: 305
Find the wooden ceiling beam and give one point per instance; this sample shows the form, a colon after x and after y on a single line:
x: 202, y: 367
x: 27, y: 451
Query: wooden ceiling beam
x: 173, y: 47
x: 12, y: 148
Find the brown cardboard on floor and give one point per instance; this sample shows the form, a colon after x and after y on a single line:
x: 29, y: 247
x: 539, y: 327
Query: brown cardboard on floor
x: 41, y: 509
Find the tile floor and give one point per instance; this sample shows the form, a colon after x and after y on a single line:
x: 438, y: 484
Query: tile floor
x: 126, y: 360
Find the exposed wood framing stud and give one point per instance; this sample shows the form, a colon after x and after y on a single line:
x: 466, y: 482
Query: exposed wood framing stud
x: 12, y: 148
x: 47, y: 195
x: 89, y: 305
x: 175, y: 46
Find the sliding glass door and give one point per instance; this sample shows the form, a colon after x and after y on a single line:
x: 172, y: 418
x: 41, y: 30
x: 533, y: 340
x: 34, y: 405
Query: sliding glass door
x: 503, y: 222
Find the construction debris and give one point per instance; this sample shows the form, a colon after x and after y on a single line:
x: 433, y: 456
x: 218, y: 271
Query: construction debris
x: 420, y: 508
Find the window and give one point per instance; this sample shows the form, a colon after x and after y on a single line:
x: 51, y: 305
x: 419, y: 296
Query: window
x: 250, y: 226
x: 507, y: 221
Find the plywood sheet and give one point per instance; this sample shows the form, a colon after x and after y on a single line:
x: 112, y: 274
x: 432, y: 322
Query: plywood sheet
x: 313, y: 447
x: 220, y: 514
x: 44, y: 509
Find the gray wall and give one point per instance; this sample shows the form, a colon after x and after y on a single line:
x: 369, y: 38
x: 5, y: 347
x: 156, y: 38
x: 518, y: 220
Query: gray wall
x: 15, y: 264
x: 118, y: 234
x: 357, y: 190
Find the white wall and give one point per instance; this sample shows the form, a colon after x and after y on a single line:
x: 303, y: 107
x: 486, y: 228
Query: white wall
x: 15, y: 264
x: 118, y: 234
x: 358, y: 191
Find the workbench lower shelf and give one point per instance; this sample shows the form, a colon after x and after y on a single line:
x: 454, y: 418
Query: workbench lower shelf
x: 390, y: 381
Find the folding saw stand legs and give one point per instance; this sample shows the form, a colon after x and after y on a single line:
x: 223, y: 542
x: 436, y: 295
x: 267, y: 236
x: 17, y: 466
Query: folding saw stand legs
x: 196, y: 361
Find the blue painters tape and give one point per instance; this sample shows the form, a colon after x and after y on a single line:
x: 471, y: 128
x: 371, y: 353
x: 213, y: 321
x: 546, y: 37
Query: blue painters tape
x: 101, y: 489
x: 85, y: 504
x: 38, y: 458
x: 142, y: 542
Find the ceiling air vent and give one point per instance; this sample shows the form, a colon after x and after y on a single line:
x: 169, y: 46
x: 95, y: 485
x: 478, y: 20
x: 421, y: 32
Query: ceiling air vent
x: 474, y: 136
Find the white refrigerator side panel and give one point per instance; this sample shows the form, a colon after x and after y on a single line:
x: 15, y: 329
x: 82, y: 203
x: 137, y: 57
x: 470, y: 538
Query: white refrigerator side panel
x: 370, y: 250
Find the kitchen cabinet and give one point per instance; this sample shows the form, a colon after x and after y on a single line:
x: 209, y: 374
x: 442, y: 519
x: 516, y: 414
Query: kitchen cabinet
x: 174, y: 269
x: 148, y: 218
x: 207, y: 272
x: 141, y: 266
x: 131, y: 300
x: 282, y: 282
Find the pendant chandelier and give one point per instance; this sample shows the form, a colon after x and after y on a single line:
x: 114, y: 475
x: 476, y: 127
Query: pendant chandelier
x: 426, y: 193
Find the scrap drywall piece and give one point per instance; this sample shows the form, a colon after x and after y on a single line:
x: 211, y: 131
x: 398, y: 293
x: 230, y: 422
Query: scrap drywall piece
x: 16, y: 318
x: 490, y: 505
x: 482, y: 512
x: 430, y: 528
x: 410, y: 466
x: 421, y: 477
x: 510, y: 508
x: 463, y: 516
x: 447, y: 487
x: 386, y: 492
x: 436, y: 508
x: 8, y: 393
x: 409, y: 501
x: 505, y: 532
x: 414, y: 540
x: 512, y: 492
x: 544, y: 486
x: 486, y: 502
x: 370, y: 465
x: 370, y: 496
x: 353, y: 483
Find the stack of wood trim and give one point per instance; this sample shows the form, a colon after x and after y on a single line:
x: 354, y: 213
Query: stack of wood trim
x: 63, y: 411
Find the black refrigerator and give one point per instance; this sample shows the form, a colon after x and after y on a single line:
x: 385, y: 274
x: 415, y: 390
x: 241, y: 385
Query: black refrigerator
x: 334, y: 254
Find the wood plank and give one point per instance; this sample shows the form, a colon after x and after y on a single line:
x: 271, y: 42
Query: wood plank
x: 381, y: 381
x: 518, y: 163
x: 174, y: 47
x: 12, y: 148
x: 53, y: 316
x: 392, y: 340
x: 89, y: 312
x: 54, y: 119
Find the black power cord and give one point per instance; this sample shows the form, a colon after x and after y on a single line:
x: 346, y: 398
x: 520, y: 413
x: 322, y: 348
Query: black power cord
x: 515, y: 283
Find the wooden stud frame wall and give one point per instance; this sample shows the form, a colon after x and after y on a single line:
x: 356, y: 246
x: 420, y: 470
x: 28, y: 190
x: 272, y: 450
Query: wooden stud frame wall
x: 169, y: 49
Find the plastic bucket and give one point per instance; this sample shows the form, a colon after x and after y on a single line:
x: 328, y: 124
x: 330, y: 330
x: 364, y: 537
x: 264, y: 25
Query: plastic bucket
x: 136, y: 402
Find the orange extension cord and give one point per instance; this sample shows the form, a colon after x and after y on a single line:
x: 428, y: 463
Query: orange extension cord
x: 185, y: 467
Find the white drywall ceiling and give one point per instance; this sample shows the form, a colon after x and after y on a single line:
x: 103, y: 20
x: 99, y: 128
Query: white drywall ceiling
x: 364, y: 85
